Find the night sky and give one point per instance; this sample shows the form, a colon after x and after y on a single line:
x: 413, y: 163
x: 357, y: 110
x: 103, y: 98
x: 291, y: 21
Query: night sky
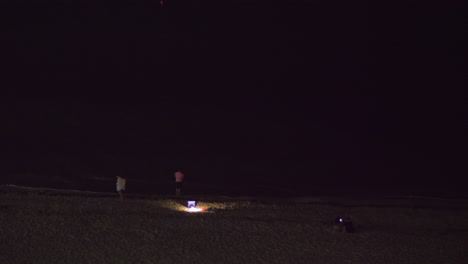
x: 264, y: 92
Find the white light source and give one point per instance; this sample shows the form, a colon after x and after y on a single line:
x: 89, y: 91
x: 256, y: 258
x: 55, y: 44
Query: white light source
x: 193, y: 209
x: 191, y: 204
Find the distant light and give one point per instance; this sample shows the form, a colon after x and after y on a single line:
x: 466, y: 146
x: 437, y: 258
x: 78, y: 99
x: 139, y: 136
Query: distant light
x: 194, y: 209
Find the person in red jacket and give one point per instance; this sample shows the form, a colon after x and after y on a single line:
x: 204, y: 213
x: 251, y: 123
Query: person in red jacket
x: 179, y: 178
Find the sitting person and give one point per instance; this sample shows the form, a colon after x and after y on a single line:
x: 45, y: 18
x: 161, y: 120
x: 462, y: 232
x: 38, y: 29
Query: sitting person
x: 348, y: 225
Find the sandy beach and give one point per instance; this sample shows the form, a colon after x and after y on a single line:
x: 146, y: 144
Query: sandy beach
x: 73, y: 227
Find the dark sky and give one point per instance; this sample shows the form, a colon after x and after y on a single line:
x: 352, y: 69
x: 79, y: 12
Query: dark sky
x: 303, y: 91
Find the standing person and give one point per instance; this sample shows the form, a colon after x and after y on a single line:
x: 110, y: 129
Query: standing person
x: 179, y: 177
x: 120, y: 186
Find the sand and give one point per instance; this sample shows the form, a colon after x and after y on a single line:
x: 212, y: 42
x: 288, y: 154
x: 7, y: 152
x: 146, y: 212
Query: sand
x: 43, y: 227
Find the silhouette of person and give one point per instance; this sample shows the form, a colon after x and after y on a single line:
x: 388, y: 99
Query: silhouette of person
x: 179, y: 177
x: 348, y: 225
x: 120, y: 186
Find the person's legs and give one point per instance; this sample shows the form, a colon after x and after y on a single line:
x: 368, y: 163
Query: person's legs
x: 178, y: 188
x: 121, y: 195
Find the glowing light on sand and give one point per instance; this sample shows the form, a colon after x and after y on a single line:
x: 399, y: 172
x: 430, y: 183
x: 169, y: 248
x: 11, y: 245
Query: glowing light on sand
x: 194, y: 209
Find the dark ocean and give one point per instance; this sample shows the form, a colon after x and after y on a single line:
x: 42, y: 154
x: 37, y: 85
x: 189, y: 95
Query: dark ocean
x: 166, y: 188
x: 91, y: 48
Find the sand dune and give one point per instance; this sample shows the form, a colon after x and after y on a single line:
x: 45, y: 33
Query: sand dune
x: 41, y: 228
